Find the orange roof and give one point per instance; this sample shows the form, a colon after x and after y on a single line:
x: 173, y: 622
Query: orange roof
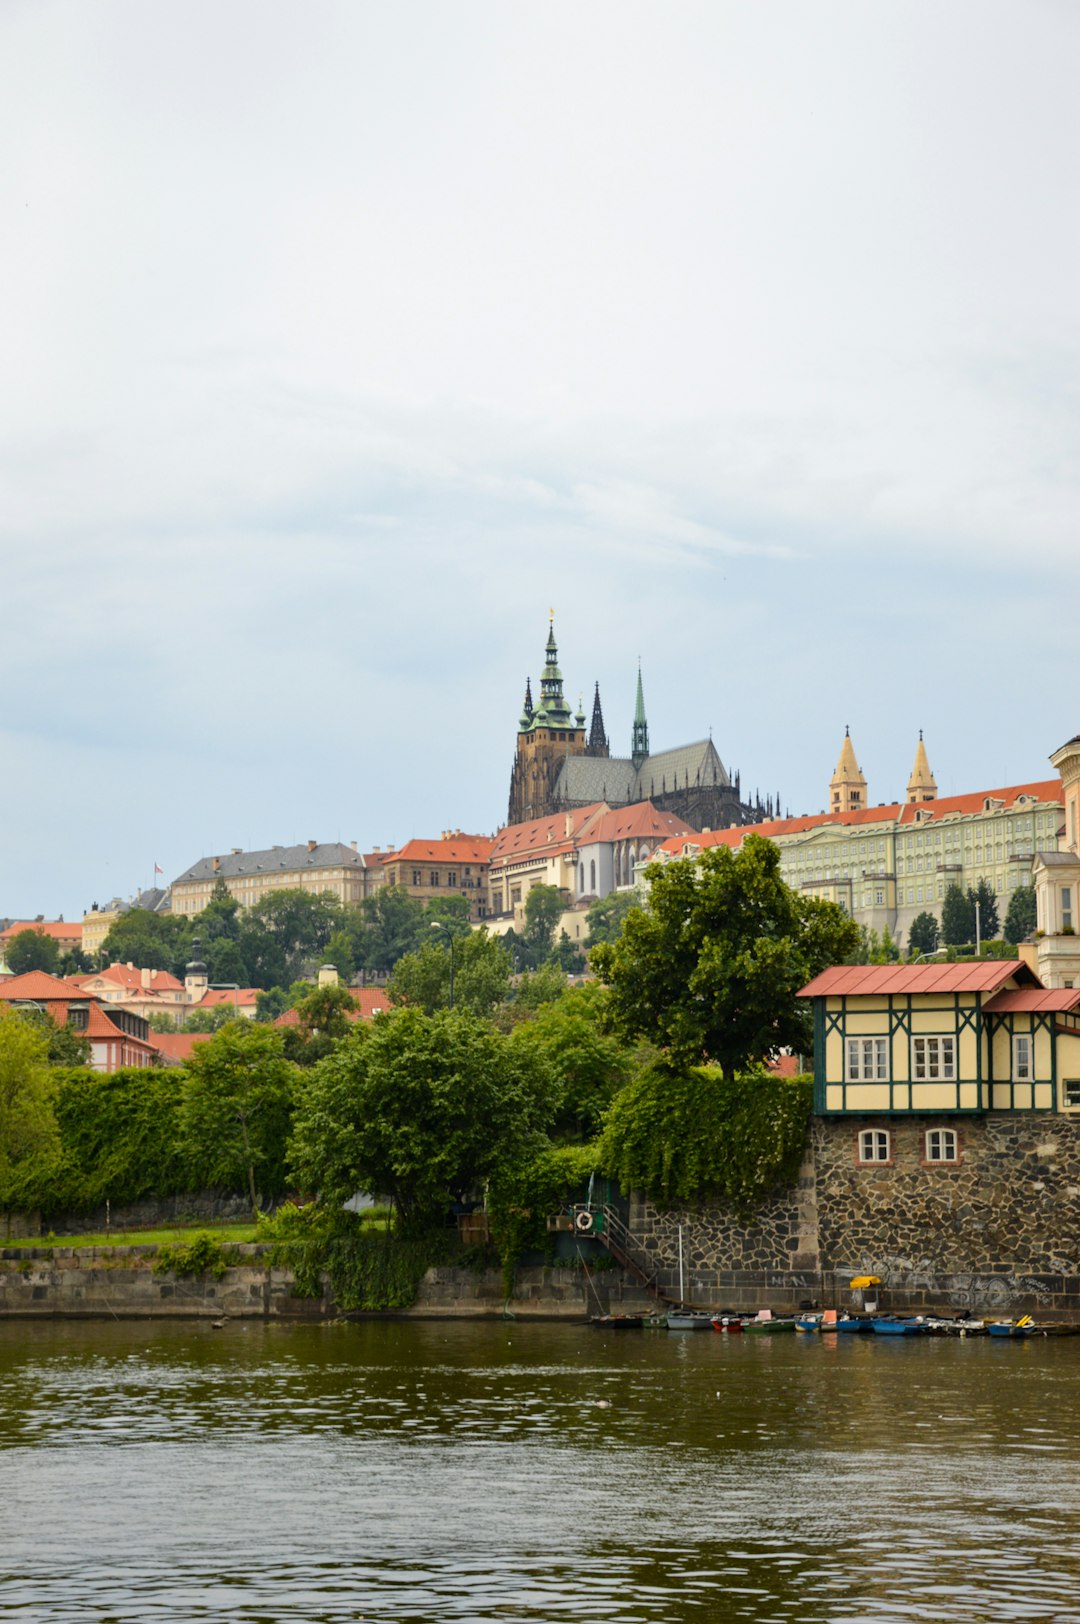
x: 557, y: 833
x: 177, y: 1045
x: 463, y: 849
x: 369, y: 1001
x: 56, y: 928
x: 129, y: 975
x: 44, y: 988
x: 1047, y: 791
x: 1032, y: 998
x: 971, y: 975
x: 632, y: 822
x: 242, y: 997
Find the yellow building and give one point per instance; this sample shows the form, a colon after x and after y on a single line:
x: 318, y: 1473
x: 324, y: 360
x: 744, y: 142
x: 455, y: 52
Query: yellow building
x: 940, y: 1040
x: 1056, y: 874
x: 249, y: 876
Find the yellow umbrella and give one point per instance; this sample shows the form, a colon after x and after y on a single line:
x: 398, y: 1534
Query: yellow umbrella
x: 861, y: 1281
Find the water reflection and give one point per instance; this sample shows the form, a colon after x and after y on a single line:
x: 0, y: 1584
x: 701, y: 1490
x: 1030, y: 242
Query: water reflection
x: 492, y: 1472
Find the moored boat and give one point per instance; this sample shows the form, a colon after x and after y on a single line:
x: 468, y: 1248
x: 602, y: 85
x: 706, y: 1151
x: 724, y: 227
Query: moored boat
x: 617, y: 1322
x: 689, y: 1322
x: 894, y: 1325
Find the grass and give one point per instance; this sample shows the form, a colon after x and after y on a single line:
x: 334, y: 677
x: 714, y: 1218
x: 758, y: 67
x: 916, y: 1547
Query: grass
x: 169, y: 1235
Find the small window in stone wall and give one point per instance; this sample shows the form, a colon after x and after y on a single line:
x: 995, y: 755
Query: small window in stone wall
x: 942, y: 1145
x: 874, y: 1145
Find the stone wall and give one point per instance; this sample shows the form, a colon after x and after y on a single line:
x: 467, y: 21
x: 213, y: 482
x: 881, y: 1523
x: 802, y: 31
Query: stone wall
x: 155, y: 1212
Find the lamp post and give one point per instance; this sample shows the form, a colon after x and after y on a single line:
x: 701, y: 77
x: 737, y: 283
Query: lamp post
x: 435, y: 925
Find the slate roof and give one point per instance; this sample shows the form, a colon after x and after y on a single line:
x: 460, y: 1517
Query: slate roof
x: 331, y: 855
x: 583, y: 779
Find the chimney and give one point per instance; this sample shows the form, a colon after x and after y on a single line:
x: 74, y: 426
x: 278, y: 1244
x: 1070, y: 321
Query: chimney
x: 569, y: 824
x: 353, y: 844
x: 311, y: 845
x: 215, y: 864
x: 144, y: 978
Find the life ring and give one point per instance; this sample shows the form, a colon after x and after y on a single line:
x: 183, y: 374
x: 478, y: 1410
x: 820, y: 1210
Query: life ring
x: 584, y: 1222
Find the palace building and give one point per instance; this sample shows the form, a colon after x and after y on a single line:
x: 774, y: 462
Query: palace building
x: 561, y: 767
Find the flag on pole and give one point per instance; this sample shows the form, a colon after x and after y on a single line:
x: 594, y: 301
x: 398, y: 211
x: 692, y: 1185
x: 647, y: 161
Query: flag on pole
x: 158, y: 869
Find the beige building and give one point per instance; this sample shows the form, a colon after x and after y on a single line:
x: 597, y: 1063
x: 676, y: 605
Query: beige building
x: 1056, y: 875
x: 454, y: 866
x: 250, y: 876
x: 884, y: 865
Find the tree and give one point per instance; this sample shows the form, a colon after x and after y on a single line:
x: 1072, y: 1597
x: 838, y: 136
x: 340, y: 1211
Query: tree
x: 957, y: 917
x: 32, y: 950
x: 711, y: 969
x: 271, y: 1003
x: 64, y: 1046
x: 569, y: 958
x: 325, y: 1015
x: 285, y: 933
x: 221, y: 916
x: 420, y: 1108
x: 481, y: 975
x: 225, y: 962
x: 984, y: 895
x: 28, y: 1128
x: 1021, y: 917
x: 607, y: 915
x: 923, y: 936
x: 211, y: 1019
x: 149, y: 940
x: 543, y: 909
x: 393, y: 926
x: 583, y: 1065
x: 236, y: 1110
x: 74, y: 963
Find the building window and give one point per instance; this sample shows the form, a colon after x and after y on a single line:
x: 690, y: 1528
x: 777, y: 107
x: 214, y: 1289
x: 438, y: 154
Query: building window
x: 1021, y: 1067
x: 935, y: 1059
x: 942, y: 1145
x: 417, y: 877
x: 1066, y: 907
x: 433, y: 876
x: 451, y: 876
x: 874, y: 1145
x: 867, y: 1060
x: 1071, y: 1086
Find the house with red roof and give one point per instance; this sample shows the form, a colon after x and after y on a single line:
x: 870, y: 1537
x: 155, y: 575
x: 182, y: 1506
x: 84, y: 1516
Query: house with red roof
x: 455, y: 865
x: 117, y: 1037
x: 67, y: 937
x: 367, y: 1003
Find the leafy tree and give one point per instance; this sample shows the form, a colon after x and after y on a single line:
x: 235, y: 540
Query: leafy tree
x: 584, y: 1065
x: 159, y: 1020
x: 286, y: 931
x: 32, y: 950
x: 888, y: 948
x: 683, y: 1133
x: 712, y: 968
x: 543, y: 909
x: 420, y: 1108
x: 236, y: 1110
x: 957, y: 917
x: 225, y: 962
x: 984, y: 895
x: 271, y: 1003
x: 924, y: 935
x: 325, y: 1015
x: 64, y: 1046
x: 221, y: 918
x: 211, y: 1019
x: 28, y: 1130
x: 607, y: 915
x: 1021, y: 918
x: 120, y: 1133
x: 481, y: 975
x: 150, y: 941
x: 74, y: 963
x: 453, y: 912
x: 341, y: 953
x: 393, y: 926
x: 570, y: 959
x: 538, y: 987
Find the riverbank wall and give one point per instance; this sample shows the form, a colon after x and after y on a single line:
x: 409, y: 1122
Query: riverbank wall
x: 120, y: 1282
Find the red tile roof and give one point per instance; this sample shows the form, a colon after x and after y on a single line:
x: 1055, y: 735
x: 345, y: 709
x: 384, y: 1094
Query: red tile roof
x: 972, y: 975
x: 242, y: 997
x: 177, y: 1045
x: 462, y: 849
x: 369, y: 1001
x: 130, y: 976
x: 1012, y: 999
x: 44, y: 988
x: 558, y: 833
x: 641, y: 819
x: 56, y: 928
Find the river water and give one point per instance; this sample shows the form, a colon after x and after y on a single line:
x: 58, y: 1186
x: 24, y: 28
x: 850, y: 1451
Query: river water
x: 509, y: 1471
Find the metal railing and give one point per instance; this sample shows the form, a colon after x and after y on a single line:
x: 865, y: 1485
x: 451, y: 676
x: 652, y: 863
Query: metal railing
x: 607, y: 1227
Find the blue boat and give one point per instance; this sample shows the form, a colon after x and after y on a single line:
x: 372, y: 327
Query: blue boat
x: 1021, y: 1327
x: 891, y: 1325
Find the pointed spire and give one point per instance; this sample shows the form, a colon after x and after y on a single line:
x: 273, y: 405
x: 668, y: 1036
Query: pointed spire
x: 552, y: 711
x: 847, y: 788
x: 598, y: 739
x: 921, y: 784
x: 527, y: 708
x: 639, y: 748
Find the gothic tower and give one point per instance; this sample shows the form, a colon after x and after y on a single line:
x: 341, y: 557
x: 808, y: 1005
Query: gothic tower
x: 921, y: 785
x: 847, y: 787
x: 547, y: 734
x: 598, y: 740
x: 639, y: 747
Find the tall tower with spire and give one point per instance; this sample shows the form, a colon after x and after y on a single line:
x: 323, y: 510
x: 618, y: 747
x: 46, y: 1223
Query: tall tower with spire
x: 921, y: 785
x: 847, y: 787
x: 639, y: 747
x: 547, y: 734
x: 598, y: 739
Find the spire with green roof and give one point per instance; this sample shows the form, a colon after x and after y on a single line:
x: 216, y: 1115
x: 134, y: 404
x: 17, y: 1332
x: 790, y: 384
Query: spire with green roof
x: 639, y: 749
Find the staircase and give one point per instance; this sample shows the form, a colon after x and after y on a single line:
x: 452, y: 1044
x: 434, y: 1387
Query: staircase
x: 608, y: 1228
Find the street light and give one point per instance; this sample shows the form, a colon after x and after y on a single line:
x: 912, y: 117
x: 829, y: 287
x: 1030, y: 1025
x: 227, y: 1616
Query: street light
x: 435, y: 925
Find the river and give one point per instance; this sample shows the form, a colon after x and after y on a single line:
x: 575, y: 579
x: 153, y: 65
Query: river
x: 508, y: 1471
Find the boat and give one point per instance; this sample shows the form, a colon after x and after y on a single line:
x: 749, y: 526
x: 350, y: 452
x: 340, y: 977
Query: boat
x: 1024, y: 1326
x: 894, y: 1325
x: 764, y: 1324
x: 728, y: 1324
x: 689, y: 1322
x: 617, y: 1322
x: 854, y: 1322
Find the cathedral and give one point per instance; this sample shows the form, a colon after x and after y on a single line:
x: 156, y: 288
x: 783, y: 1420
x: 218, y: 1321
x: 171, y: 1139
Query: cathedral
x: 559, y: 766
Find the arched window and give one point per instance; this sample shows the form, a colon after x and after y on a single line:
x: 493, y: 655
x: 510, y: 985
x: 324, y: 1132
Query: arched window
x: 592, y: 875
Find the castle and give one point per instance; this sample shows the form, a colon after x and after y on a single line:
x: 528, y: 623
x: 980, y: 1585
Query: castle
x: 559, y: 767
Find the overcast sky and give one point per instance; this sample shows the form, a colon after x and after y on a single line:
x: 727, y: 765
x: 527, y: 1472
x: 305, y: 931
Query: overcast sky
x: 343, y: 340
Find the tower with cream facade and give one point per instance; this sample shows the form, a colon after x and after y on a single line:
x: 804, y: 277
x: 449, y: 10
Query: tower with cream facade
x: 847, y: 787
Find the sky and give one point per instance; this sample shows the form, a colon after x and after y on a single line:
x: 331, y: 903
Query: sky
x: 343, y: 341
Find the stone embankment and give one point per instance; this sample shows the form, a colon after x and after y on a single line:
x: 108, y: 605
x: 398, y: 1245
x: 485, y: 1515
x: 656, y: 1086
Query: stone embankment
x: 119, y: 1282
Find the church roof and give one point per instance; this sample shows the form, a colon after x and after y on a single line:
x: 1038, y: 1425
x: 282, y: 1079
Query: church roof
x: 616, y: 780
x: 559, y: 831
x: 585, y: 779
x: 632, y: 822
x: 697, y: 764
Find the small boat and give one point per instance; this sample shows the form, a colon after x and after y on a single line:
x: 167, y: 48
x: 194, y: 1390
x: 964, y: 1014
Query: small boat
x: 728, y: 1324
x: 689, y: 1322
x: 1024, y: 1326
x: 763, y: 1324
x: 853, y: 1322
x: 617, y: 1322
x: 893, y: 1325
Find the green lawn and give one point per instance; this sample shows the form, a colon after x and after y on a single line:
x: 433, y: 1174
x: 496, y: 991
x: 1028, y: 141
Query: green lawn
x: 169, y: 1235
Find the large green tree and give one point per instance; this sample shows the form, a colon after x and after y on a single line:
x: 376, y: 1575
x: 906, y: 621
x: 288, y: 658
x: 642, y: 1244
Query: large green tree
x: 32, y: 950
x: 543, y: 907
x: 957, y: 917
x: 711, y: 969
x: 28, y: 1129
x: 286, y: 933
x: 924, y: 935
x: 393, y: 926
x: 151, y: 941
x: 985, y: 896
x: 420, y: 1108
x: 1021, y: 917
x: 236, y: 1110
x: 585, y: 1065
x: 607, y: 916
x: 481, y: 975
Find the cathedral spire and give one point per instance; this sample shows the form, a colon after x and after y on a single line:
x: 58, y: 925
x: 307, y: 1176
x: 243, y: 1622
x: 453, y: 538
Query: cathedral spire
x: 847, y: 788
x: 639, y: 748
x: 527, y: 708
x: 556, y: 711
x: 598, y: 740
x: 921, y: 785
